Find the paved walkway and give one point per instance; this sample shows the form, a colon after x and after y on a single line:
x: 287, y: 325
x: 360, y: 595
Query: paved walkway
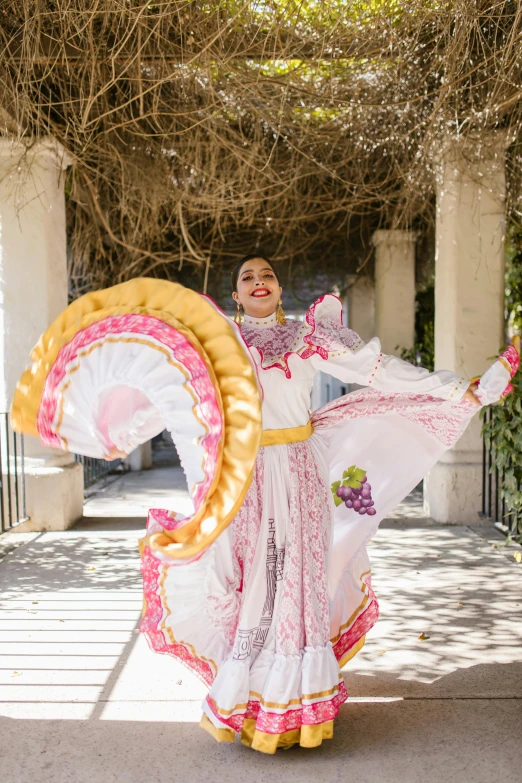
x: 83, y: 700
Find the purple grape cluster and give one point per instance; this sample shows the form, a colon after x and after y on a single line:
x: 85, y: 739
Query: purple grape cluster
x: 358, y: 498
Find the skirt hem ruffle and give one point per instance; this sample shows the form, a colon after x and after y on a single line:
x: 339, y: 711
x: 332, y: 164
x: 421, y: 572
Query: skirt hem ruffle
x: 262, y: 741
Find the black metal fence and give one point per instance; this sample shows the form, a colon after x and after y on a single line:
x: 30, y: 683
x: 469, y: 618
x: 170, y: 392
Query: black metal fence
x: 493, y: 504
x: 95, y: 469
x: 12, y: 476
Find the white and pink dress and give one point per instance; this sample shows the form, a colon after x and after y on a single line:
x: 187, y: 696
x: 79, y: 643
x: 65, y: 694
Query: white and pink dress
x: 268, y: 611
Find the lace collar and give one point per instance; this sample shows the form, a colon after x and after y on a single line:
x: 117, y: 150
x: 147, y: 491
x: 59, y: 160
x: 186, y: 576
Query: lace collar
x: 260, y: 323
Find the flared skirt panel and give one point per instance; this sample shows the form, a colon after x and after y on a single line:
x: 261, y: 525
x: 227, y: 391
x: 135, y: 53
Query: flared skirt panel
x: 251, y: 617
x: 269, y: 614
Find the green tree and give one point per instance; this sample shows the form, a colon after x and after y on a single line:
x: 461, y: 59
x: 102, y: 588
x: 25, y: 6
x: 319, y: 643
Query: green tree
x: 502, y: 428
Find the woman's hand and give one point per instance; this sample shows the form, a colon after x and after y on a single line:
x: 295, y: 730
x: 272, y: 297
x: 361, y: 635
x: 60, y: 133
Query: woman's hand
x: 114, y: 453
x: 470, y: 396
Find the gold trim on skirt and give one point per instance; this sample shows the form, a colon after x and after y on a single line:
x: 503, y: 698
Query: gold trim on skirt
x: 306, y: 736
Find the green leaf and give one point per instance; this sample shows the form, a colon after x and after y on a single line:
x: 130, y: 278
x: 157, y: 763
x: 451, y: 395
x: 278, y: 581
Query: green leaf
x: 353, y: 476
x: 335, y: 486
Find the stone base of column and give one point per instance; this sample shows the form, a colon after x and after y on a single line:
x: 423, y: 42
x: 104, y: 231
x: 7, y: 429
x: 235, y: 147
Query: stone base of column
x: 54, y: 497
x: 140, y: 458
x: 453, y: 493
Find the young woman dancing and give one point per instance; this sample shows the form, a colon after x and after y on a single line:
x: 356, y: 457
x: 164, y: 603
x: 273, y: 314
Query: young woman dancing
x: 265, y: 591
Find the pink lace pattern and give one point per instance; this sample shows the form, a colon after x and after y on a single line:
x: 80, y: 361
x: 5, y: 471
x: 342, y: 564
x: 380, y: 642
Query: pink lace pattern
x: 277, y: 723
x: 443, y: 420
x: 508, y: 390
x: 151, y: 623
x: 304, y: 607
x: 322, y: 332
x: 182, y: 351
x: 512, y: 358
x: 244, y: 528
x: 328, y: 333
x: 223, y: 610
x: 302, y: 619
x: 360, y: 626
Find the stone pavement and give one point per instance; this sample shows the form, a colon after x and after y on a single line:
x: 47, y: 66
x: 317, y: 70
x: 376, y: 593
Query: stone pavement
x: 83, y: 700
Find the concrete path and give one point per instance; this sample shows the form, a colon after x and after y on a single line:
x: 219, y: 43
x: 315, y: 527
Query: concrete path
x: 83, y: 700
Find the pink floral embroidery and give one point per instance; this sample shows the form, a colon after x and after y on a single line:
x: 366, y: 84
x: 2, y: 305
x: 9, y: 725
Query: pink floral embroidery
x: 277, y: 723
x: 223, y: 610
x: 244, y: 528
x: 359, y: 627
x: 443, y: 420
x: 512, y: 358
x: 320, y: 333
x: 183, y: 352
x: 328, y: 334
x: 161, y: 518
x: 508, y: 390
x: 154, y: 615
x: 304, y: 607
x: 303, y: 616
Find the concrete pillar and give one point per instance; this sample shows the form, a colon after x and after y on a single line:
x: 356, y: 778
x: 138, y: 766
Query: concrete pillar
x: 361, y: 306
x: 395, y: 288
x: 469, y: 303
x: 33, y: 290
x: 140, y: 458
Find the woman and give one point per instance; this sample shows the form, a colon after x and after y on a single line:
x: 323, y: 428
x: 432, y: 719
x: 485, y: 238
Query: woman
x: 295, y: 609
x: 281, y: 599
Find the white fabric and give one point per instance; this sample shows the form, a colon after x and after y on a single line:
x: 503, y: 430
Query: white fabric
x: 258, y: 662
x: 493, y: 383
x: 286, y: 401
x: 124, y: 394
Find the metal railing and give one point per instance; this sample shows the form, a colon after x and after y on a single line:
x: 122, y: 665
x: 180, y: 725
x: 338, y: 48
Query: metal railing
x: 12, y: 476
x: 493, y: 504
x: 95, y: 469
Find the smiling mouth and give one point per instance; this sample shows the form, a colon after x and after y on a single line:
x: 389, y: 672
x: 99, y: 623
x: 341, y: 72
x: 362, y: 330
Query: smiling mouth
x: 260, y: 292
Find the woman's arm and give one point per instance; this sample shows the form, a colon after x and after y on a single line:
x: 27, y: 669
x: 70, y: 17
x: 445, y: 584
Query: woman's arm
x: 353, y: 361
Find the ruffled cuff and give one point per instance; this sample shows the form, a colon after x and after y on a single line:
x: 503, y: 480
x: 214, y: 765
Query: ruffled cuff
x: 454, y: 391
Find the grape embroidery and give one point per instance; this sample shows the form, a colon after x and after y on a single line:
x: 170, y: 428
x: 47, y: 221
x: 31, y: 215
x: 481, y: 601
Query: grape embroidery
x: 354, y: 491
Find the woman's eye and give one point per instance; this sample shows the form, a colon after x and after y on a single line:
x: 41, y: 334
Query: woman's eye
x: 269, y: 274
x: 245, y: 279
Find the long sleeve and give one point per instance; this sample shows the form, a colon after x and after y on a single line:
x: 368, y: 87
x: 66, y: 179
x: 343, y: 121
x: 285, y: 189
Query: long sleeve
x: 341, y: 352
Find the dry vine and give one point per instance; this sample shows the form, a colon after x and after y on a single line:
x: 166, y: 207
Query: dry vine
x: 200, y: 130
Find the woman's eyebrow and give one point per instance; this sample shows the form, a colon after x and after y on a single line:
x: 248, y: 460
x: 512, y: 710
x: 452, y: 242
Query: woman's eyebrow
x: 266, y: 269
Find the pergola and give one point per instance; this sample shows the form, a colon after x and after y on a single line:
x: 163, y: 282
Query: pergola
x: 335, y: 136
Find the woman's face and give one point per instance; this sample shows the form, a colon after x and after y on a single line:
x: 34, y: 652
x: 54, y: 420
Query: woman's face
x: 257, y: 288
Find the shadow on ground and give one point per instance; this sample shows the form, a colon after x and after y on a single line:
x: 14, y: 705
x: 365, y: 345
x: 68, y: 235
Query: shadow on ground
x: 406, y: 742
x: 82, y: 698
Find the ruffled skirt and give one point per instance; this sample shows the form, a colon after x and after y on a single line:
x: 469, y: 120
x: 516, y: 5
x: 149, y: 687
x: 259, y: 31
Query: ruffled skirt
x: 269, y: 614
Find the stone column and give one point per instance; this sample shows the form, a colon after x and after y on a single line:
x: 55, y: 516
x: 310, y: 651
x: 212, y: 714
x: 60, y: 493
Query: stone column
x: 469, y: 303
x: 140, y: 458
x: 395, y: 288
x: 361, y: 306
x: 33, y: 287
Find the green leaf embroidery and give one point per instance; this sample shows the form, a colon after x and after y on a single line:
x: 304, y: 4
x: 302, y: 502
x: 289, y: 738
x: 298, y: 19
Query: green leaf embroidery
x: 353, y: 476
x: 335, y: 487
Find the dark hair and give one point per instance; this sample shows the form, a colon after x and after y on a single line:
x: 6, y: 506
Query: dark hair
x: 237, y: 269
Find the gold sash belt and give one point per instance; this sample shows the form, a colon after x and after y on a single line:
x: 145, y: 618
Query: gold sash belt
x: 286, y: 435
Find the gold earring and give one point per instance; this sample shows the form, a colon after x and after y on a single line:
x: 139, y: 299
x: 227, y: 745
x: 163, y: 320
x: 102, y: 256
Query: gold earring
x: 280, y: 314
x: 238, y: 317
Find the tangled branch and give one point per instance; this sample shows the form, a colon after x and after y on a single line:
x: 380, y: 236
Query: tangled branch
x: 201, y: 130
